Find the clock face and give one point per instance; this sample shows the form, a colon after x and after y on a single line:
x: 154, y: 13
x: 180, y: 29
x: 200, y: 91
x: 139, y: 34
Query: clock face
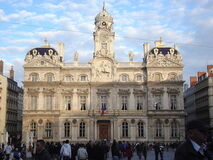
x: 103, y: 23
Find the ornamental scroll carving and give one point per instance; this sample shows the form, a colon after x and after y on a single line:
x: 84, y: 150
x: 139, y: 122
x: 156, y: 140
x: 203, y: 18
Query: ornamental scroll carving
x: 33, y: 90
x: 124, y: 91
x: 103, y: 91
x: 67, y: 91
x: 157, y: 90
x: 173, y: 90
x: 49, y: 90
x: 82, y: 91
x: 139, y: 91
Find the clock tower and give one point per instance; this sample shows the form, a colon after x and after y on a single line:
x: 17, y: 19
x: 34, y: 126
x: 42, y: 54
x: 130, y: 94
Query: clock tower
x: 103, y: 35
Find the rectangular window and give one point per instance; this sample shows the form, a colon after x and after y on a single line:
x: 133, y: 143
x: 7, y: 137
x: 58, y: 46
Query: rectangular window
x: 139, y: 102
x: 34, y: 78
x: 68, y: 102
x: 103, y: 101
x: 49, y: 102
x: 83, y: 102
x: 33, y: 102
x: 49, y: 78
x: 157, y: 102
x: 124, y: 102
x: 173, y: 101
x: 83, y: 78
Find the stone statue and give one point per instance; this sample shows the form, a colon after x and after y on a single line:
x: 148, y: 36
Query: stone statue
x: 76, y: 56
x: 131, y: 56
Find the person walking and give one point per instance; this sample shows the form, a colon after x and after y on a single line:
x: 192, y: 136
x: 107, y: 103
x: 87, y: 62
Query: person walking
x: 41, y: 152
x: 82, y: 153
x: 66, y: 151
x: 8, y: 150
x: 194, y: 147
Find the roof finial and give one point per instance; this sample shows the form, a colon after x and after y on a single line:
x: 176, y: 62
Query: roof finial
x: 104, y: 9
x: 45, y: 41
x: 161, y: 40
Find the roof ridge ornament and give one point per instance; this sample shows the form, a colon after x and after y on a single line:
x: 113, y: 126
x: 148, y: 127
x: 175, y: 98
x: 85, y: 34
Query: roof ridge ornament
x: 104, y: 8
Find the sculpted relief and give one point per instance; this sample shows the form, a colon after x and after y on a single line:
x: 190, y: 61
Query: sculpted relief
x: 103, y: 70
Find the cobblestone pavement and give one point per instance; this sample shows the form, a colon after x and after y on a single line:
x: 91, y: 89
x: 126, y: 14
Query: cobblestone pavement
x: 167, y: 155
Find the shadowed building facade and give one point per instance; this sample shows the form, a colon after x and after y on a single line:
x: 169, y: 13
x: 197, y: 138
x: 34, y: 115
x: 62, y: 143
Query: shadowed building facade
x: 104, y: 98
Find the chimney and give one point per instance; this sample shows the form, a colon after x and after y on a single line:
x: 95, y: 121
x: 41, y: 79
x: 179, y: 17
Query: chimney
x: 146, y: 48
x: 175, y: 46
x: 210, y: 70
x: 1, y: 67
x: 12, y: 73
x: 193, y: 81
x: 60, y: 46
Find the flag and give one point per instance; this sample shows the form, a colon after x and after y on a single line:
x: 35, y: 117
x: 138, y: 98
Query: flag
x: 103, y: 109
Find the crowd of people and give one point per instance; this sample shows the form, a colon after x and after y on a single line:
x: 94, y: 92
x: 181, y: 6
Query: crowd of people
x: 97, y: 150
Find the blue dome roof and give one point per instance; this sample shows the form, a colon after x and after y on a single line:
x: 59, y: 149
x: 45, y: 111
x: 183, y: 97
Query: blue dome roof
x: 163, y: 50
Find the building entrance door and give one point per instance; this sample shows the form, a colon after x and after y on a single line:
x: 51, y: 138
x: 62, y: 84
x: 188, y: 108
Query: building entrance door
x: 104, y: 130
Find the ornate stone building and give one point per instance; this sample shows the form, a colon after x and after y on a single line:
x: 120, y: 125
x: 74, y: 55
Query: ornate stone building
x: 104, y: 98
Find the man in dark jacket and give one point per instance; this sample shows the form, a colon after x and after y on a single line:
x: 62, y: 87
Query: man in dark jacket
x: 194, y: 148
x: 41, y: 152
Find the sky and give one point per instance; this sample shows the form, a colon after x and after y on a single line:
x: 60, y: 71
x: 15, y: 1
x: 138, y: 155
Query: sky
x: 24, y: 24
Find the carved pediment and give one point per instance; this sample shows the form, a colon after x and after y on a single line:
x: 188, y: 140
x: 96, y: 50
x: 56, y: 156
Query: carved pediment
x: 67, y: 91
x: 82, y: 91
x: 139, y: 91
x: 103, y: 91
x: 157, y: 90
x: 162, y: 61
x: 124, y: 91
x: 173, y: 90
x: 42, y: 62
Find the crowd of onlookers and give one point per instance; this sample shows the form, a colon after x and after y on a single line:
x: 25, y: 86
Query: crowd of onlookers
x: 98, y: 150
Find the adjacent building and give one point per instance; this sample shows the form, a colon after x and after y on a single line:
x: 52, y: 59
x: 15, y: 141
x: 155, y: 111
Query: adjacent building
x: 11, y: 105
x: 198, y: 98
x: 104, y: 98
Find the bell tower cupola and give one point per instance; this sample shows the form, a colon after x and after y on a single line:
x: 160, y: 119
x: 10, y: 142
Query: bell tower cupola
x: 103, y: 35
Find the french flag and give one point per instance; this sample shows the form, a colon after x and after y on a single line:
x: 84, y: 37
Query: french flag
x: 103, y: 109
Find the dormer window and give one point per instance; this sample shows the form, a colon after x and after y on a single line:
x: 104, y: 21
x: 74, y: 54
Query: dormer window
x: 49, y: 77
x: 138, y: 78
x: 68, y: 78
x: 34, y: 77
x: 83, y: 78
x: 124, y: 78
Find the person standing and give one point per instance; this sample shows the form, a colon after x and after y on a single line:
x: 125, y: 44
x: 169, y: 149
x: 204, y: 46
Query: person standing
x: 157, y: 150
x: 66, y: 152
x: 8, y: 150
x: 82, y: 153
x: 41, y: 152
x: 194, y: 147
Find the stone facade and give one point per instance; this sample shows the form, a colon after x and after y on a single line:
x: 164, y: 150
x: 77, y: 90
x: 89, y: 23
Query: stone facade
x: 104, y: 98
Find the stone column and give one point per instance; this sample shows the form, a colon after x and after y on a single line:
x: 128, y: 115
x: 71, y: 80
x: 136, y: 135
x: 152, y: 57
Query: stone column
x: 132, y: 131
x: 95, y: 129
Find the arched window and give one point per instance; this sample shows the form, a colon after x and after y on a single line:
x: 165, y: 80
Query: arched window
x: 124, y: 129
x: 66, y: 129
x: 139, y: 78
x: 172, y: 76
x: 157, y: 77
x: 159, y: 129
x: 48, y: 130
x: 83, y: 78
x: 49, y: 77
x: 33, y: 129
x: 68, y: 78
x: 140, y: 129
x: 174, y: 129
x: 34, y: 77
x: 82, y: 129
x: 124, y: 78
